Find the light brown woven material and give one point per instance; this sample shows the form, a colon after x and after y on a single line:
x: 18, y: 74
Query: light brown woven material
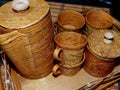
x: 9, y: 42
x: 98, y: 19
x: 70, y: 47
x: 71, y: 70
x: 70, y: 20
x: 34, y: 14
x: 28, y: 41
x: 68, y: 70
x: 97, y: 45
x: 100, y: 56
x: 97, y: 66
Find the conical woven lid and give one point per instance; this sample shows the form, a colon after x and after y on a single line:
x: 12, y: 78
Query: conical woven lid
x: 13, y: 20
x: 97, y: 45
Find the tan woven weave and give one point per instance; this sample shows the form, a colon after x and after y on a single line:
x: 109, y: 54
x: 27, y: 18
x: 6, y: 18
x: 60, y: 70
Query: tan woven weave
x: 101, y: 57
x: 97, y: 45
x: 97, y: 19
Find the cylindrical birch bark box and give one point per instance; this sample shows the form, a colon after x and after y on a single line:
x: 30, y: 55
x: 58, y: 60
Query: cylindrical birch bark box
x: 102, y: 52
x: 27, y: 38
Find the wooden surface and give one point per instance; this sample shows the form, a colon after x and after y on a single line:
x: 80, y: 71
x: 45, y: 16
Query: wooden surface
x: 61, y: 82
x: 57, y: 83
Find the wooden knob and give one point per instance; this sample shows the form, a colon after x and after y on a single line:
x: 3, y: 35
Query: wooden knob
x: 20, y: 5
x: 108, y: 37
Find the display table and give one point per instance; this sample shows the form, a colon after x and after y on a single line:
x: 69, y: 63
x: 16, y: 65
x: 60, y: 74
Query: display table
x: 57, y: 83
x: 62, y: 82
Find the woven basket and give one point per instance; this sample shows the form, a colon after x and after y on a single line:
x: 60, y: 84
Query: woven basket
x: 97, y: 19
x: 70, y: 20
x: 69, y: 47
x: 71, y: 70
x: 28, y: 38
x: 101, y: 57
x: 96, y: 65
x: 68, y: 70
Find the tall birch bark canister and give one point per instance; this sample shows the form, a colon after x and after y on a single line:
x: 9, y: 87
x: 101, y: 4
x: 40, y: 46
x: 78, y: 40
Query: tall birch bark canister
x: 27, y: 36
x: 102, y: 52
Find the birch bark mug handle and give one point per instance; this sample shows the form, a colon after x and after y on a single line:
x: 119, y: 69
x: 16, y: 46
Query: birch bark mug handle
x: 56, y: 70
x: 67, y: 70
x: 56, y: 54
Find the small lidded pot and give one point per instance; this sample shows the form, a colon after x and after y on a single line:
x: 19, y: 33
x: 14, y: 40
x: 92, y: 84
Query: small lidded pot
x: 102, y: 51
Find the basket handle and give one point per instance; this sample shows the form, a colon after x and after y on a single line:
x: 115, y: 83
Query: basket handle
x: 56, y: 70
x: 57, y: 53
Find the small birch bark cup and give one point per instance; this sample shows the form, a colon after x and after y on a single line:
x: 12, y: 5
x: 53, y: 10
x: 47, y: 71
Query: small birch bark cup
x: 96, y: 20
x: 70, y: 20
x: 69, y: 47
x: 67, y: 70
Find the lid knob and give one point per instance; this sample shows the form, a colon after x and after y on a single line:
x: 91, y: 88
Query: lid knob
x: 108, y: 37
x: 20, y: 5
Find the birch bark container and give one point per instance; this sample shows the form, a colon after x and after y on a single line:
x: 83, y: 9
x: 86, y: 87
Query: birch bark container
x: 96, y: 20
x: 27, y: 37
x: 102, y: 52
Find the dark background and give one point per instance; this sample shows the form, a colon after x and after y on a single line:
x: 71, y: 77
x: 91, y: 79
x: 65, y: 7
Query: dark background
x: 112, y: 4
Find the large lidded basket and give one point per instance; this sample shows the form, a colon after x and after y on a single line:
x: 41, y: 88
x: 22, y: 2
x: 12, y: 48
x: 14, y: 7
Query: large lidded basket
x: 27, y: 38
x: 102, y: 52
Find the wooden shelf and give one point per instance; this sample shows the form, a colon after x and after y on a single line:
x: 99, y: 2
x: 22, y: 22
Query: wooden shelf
x: 57, y: 83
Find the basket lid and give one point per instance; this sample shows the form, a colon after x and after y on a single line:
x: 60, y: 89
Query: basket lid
x: 15, y: 20
x: 101, y: 46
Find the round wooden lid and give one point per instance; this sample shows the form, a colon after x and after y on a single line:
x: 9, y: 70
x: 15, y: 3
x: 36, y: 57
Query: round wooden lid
x: 15, y: 20
x: 99, y: 47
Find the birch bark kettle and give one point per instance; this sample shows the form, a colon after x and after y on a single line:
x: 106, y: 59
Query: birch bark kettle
x: 102, y: 52
x: 27, y: 36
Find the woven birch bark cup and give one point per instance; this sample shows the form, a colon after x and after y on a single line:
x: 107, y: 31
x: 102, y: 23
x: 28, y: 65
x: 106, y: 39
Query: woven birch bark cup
x: 67, y: 70
x: 27, y: 37
x: 70, y: 20
x: 96, y: 20
x: 102, y: 52
x: 69, y: 47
